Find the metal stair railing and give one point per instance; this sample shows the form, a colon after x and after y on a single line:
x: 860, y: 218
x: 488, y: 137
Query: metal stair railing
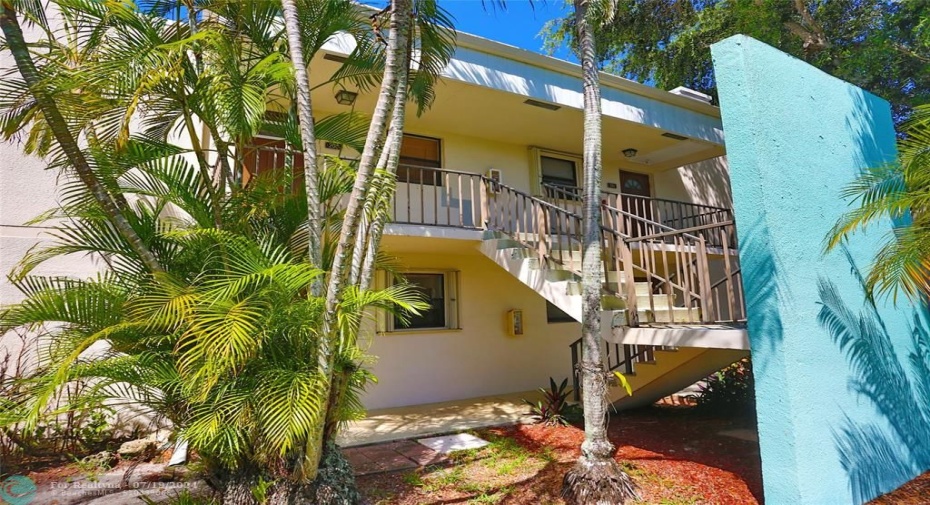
x: 673, y: 261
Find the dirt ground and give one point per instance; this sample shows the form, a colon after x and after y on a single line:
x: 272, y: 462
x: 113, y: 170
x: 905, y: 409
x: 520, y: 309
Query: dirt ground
x: 675, y: 457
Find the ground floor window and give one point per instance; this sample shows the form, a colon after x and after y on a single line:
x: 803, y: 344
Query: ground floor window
x: 440, y: 289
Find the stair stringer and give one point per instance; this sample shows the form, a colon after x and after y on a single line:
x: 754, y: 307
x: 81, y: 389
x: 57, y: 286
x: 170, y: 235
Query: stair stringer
x: 515, y: 260
x: 671, y: 372
x: 559, y: 286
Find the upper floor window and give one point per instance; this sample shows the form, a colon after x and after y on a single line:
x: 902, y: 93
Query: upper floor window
x: 554, y: 174
x: 419, y: 157
x: 558, y: 171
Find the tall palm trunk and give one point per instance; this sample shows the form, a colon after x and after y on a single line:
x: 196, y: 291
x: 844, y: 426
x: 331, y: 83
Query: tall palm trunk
x: 374, y: 143
x: 400, y: 17
x: 13, y: 33
x: 596, y: 478
x: 307, y: 137
x: 389, y: 160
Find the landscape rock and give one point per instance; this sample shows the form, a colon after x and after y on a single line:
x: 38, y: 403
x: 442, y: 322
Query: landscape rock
x: 143, y: 447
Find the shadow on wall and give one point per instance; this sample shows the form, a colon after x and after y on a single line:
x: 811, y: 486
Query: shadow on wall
x: 761, y: 274
x: 877, y: 459
x: 705, y: 182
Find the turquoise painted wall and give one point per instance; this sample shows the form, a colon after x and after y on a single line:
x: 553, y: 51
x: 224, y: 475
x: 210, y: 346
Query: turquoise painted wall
x: 842, y: 390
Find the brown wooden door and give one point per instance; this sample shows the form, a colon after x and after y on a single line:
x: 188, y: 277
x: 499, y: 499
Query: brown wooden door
x: 635, y: 195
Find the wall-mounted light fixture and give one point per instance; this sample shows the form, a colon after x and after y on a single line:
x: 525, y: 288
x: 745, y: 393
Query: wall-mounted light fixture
x: 345, y: 97
x: 630, y: 153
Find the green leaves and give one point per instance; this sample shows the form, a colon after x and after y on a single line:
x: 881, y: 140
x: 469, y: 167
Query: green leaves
x: 899, y: 192
x: 878, y: 45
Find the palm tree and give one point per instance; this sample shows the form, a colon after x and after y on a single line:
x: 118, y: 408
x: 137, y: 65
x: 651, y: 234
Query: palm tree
x: 307, y: 134
x: 899, y: 191
x: 596, y: 477
x: 135, y: 67
x: 223, y: 343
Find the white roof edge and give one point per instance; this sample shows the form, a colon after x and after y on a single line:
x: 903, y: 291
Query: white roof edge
x: 493, y: 47
x: 485, y: 45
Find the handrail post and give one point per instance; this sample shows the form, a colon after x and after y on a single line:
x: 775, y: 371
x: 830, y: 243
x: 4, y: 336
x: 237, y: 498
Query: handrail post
x: 707, y: 298
x: 632, y: 313
x: 542, y: 230
x: 485, y: 210
x: 628, y: 359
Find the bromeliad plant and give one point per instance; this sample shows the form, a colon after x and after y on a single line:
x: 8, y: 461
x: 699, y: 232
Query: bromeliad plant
x: 554, y: 409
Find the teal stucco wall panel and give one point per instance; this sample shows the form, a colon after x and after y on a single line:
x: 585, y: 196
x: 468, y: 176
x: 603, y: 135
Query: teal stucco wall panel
x: 838, y: 389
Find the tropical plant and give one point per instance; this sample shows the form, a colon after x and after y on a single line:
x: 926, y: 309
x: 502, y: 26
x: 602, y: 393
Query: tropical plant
x: 554, y: 409
x: 729, y: 391
x: 875, y: 44
x: 899, y: 192
x: 596, y: 477
x: 211, y: 305
x: 222, y: 344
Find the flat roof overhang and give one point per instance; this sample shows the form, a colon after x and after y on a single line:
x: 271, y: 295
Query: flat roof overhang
x: 484, y: 95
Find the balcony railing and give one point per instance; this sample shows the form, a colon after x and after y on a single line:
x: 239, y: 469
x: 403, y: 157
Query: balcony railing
x: 672, y: 213
x: 683, y: 251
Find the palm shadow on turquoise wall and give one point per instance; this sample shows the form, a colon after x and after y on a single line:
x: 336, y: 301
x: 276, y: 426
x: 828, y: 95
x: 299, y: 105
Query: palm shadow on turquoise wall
x: 872, y: 454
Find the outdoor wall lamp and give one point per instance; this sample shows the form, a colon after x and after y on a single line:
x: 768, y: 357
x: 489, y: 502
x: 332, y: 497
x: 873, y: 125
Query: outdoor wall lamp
x: 630, y: 153
x: 345, y: 97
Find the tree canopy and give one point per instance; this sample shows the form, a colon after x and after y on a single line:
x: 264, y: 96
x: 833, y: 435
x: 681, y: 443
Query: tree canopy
x: 879, y: 45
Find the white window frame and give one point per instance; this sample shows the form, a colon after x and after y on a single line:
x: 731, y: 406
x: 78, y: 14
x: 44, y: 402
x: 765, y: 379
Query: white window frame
x: 536, y: 175
x: 450, y: 286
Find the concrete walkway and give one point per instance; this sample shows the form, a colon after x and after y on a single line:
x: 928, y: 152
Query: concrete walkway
x: 435, y: 418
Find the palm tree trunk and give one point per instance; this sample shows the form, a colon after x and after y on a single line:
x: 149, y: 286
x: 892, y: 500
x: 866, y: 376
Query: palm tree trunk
x: 390, y: 157
x: 307, y: 137
x: 374, y: 143
x: 400, y: 17
x: 596, y: 477
x: 13, y: 33
x: 203, y: 166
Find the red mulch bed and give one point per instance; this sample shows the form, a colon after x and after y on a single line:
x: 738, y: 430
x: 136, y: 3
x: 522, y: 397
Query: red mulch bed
x: 674, y: 455
x: 915, y: 492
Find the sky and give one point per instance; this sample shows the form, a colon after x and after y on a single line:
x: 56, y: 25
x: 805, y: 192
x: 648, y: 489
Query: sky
x: 519, y: 25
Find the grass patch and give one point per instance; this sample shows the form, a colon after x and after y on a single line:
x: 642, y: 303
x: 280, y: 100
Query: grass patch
x: 414, y: 479
x: 488, y: 497
x: 689, y: 500
x: 378, y: 496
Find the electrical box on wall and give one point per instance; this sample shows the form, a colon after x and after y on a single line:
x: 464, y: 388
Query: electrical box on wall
x: 515, y: 322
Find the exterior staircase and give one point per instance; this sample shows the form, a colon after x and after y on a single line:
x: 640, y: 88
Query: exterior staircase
x: 672, y: 310
x: 672, y: 307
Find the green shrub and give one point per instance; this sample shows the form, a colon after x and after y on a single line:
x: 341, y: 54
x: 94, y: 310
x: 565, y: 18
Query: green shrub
x: 729, y: 391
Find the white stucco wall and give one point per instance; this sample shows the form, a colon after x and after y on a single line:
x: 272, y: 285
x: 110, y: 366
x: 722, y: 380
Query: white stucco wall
x: 27, y: 189
x: 706, y: 182
x: 480, y: 359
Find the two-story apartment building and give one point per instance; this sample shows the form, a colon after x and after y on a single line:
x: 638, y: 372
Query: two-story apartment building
x: 486, y: 220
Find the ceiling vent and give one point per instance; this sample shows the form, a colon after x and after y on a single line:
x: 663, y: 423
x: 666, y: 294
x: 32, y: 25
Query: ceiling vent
x: 335, y: 57
x: 674, y: 136
x: 694, y: 95
x: 542, y: 105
